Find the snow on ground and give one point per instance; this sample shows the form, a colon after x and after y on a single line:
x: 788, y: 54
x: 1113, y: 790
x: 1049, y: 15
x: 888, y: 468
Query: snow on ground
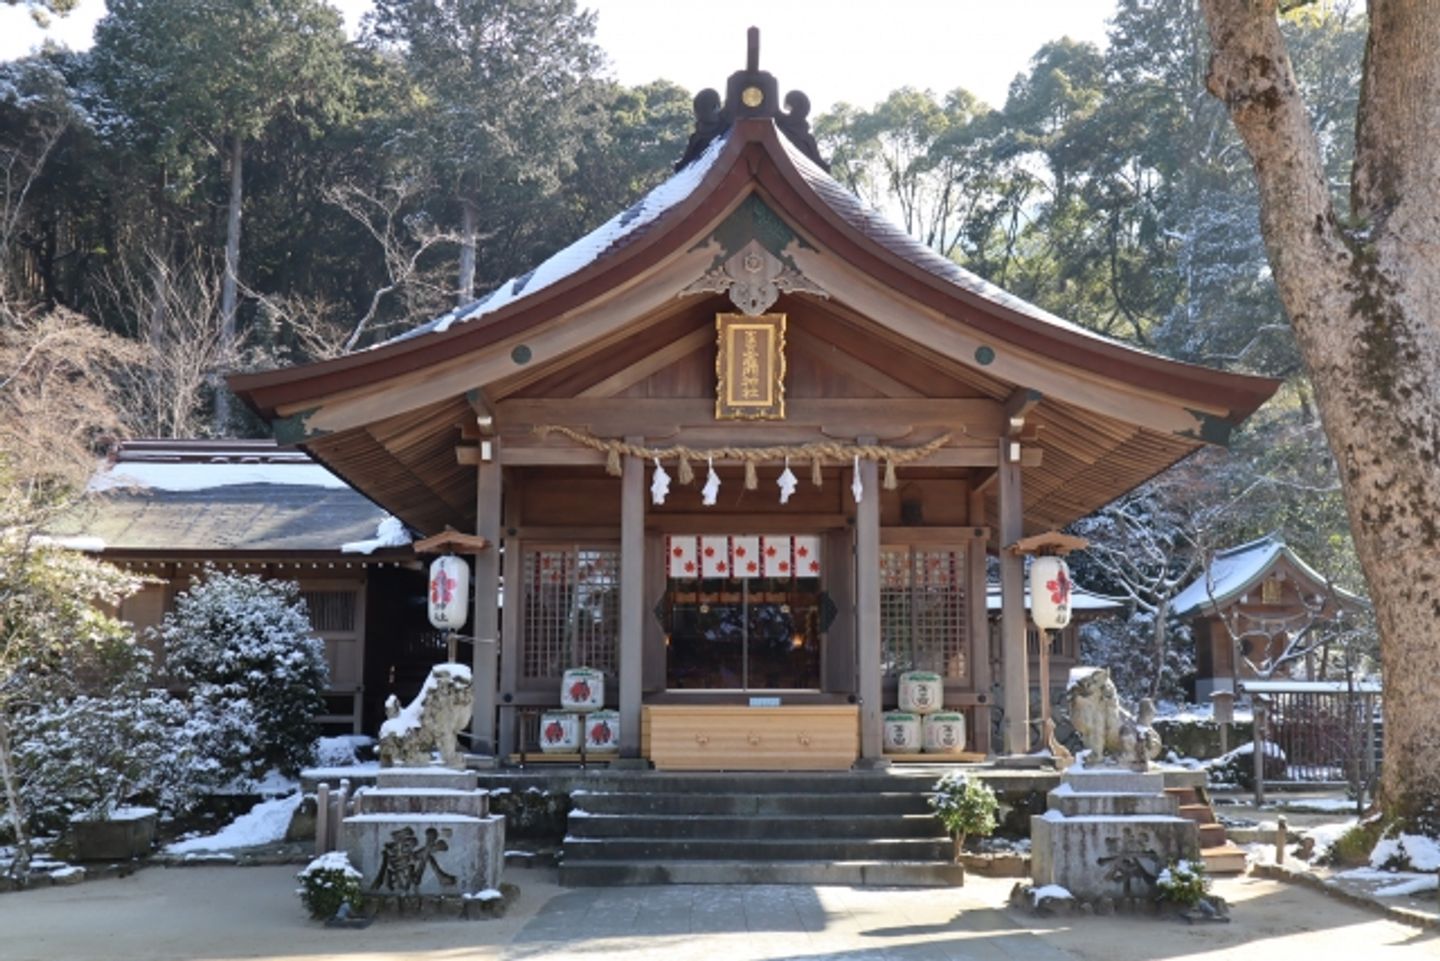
x: 1318, y: 805
x: 1416, y: 850
x: 265, y: 824
x: 1412, y: 885
x: 1325, y: 835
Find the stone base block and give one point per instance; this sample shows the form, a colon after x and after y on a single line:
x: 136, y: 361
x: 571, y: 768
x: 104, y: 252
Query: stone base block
x: 114, y: 839
x: 420, y: 800
x: 1115, y: 857
x: 1073, y: 803
x: 406, y: 855
x: 1114, y: 780
x: 426, y: 777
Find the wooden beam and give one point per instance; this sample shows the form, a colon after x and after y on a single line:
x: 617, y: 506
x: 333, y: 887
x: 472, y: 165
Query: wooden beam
x: 659, y: 360
x: 510, y: 629
x: 516, y: 453
x: 1017, y: 406
x: 1050, y: 542
x: 450, y: 541
x: 848, y: 364
x: 975, y: 418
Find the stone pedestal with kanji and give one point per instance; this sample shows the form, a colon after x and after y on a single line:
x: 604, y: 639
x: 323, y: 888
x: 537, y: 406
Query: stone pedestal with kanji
x: 1108, y: 833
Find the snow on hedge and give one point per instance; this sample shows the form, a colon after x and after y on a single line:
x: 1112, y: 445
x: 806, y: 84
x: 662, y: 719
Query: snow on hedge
x: 266, y: 823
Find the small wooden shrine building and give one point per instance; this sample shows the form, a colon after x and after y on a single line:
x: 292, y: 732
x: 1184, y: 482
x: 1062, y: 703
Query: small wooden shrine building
x: 1251, y: 605
x: 877, y: 420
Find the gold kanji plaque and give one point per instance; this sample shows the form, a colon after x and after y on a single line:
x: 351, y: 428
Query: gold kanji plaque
x: 750, y: 367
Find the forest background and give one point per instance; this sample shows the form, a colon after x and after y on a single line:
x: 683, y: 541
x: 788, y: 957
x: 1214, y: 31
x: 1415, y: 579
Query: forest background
x: 222, y: 185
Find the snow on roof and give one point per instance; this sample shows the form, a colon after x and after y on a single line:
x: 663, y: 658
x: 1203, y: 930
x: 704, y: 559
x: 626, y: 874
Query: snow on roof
x: 1080, y: 599
x: 584, y: 251
x: 390, y: 532
x: 194, y: 476
x: 1237, y: 569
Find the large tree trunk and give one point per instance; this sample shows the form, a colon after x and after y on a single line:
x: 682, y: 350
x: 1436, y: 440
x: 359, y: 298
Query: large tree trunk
x: 20, y: 865
x: 1365, y: 305
x: 469, y: 227
x: 229, y: 290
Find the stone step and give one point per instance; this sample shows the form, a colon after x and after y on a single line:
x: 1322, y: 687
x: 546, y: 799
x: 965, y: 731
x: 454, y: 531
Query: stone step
x: 1223, y: 859
x: 1212, y: 835
x: 1199, y: 813
x: 747, y: 827
x: 606, y: 873
x: 765, y: 782
x: 840, y: 804
x: 576, y: 849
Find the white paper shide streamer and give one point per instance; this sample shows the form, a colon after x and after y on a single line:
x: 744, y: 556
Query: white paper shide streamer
x: 787, y: 483
x: 857, y: 488
x: 711, y: 490
x: 660, y: 485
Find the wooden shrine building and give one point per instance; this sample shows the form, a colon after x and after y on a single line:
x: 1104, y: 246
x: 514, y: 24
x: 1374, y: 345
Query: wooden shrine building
x: 877, y: 420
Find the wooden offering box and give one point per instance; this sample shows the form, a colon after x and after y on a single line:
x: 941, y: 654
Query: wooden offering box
x: 711, y: 737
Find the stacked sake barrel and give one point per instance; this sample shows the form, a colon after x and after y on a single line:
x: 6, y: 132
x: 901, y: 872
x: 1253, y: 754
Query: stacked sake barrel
x: 581, y: 717
x: 922, y: 723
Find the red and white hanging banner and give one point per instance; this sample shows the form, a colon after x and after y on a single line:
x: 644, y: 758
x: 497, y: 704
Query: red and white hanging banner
x: 807, y: 555
x: 684, y: 556
x: 714, y: 557
x: 745, y: 555
x: 775, y: 554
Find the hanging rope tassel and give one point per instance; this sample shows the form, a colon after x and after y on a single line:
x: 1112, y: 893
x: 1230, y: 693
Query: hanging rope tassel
x: 890, y: 480
x: 612, y: 462
x: 752, y: 478
x: 815, y: 476
x: 684, y: 474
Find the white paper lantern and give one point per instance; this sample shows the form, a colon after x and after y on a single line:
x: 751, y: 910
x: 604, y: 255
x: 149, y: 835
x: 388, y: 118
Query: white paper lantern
x: 583, y: 689
x: 449, y: 592
x: 944, y: 733
x: 1050, y: 593
x: 559, y: 732
x: 902, y: 733
x: 602, y: 732
x: 921, y: 692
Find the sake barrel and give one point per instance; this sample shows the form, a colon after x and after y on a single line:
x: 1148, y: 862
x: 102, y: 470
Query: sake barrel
x: 583, y: 689
x: 944, y: 733
x: 902, y: 732
x: 560, y: 732
x: 921, y: 692
x: 602, y: 732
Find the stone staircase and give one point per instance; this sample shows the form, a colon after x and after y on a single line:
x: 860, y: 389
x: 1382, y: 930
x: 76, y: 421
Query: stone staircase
x: 1220, y: 854
x: 810, y: 828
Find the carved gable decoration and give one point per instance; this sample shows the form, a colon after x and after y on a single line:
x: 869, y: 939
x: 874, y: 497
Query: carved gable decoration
x: 750, y: 367
x: 754, y: 278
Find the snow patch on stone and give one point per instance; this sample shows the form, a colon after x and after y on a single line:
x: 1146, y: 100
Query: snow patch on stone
x: 390, y: 532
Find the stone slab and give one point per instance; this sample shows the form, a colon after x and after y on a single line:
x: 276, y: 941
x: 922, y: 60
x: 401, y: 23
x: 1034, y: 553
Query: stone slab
x: 115, y: 839
x: 425, y: 854
x: 426, y: 777
x: 1114, y: 780
x: 1116, y: 857
x: 1078, y: 804
x: 420, y: 800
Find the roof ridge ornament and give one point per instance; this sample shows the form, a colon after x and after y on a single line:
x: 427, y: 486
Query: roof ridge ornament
x: 751, y: 92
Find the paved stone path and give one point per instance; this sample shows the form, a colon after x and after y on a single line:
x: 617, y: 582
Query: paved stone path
x: 774, y: 922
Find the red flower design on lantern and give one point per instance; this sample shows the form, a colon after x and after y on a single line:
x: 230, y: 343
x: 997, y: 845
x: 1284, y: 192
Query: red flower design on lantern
x: 442, y: 587
x: 1059, y: 588
x: 580, y: 692
x: 678, y: 551
x: 600, y: 733
x: 554, y: 733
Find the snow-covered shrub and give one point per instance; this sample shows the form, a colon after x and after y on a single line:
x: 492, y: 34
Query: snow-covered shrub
x: 1238, y: 767
x: 965, y: 805
x: 328, y: 882
x: 1183, y: 882
x: 245, y: 647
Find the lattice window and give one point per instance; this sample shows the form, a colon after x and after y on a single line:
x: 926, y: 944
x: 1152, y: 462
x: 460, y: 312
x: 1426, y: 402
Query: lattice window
x: 923, y: 611
x: 572, y: 610
x: 331, y: 611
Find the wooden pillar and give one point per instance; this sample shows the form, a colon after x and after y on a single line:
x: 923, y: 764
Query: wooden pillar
x: 867, y: 609
x: 981, y: 677
x: 632, y: 600
x: 1014, y: 656
x: 485, y: 622
x: 510, y: 632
